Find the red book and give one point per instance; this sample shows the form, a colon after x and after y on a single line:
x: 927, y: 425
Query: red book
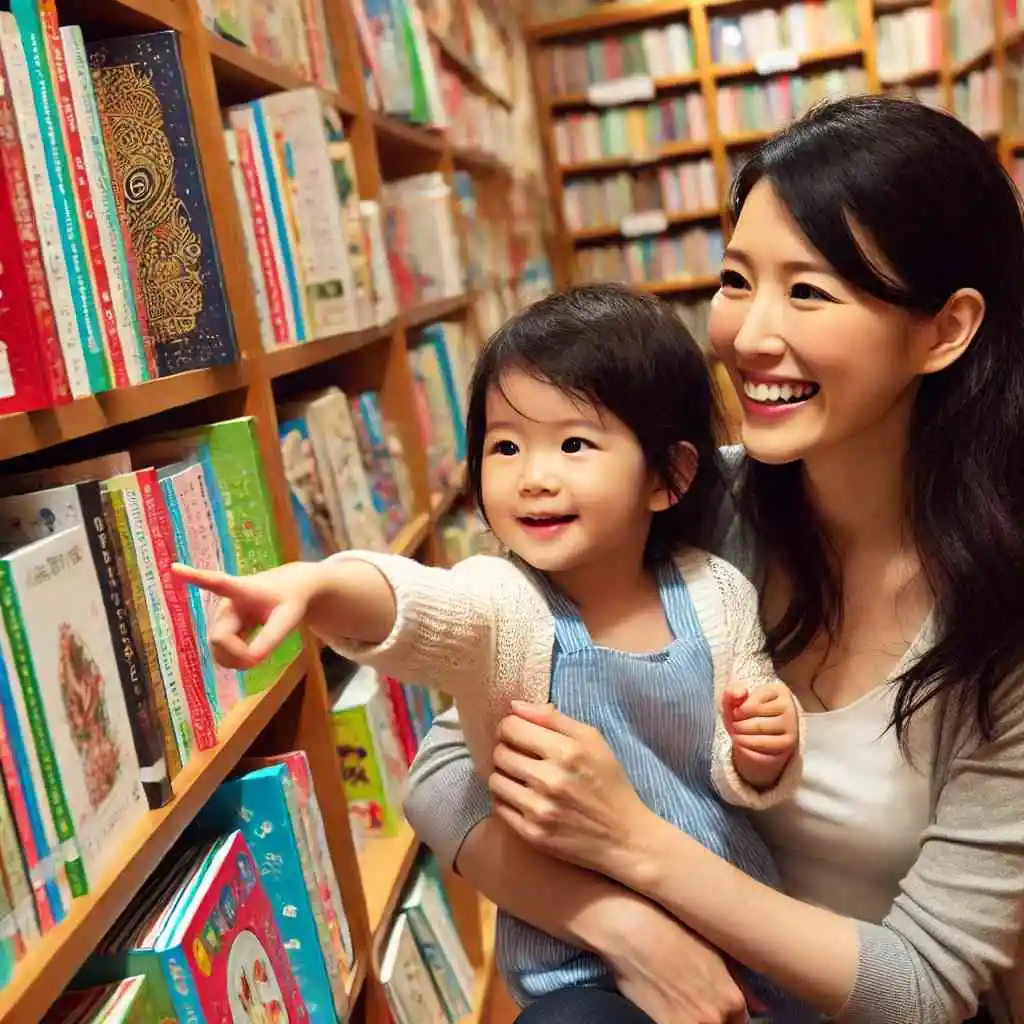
x: 32, y: 372
x: 400, y: 718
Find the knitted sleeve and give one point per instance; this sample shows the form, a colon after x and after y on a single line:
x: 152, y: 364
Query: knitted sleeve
x: 727, y: 608
x: 478, y: 631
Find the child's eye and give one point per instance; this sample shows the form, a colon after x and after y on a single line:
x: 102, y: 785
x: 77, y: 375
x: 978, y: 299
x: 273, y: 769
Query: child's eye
x: 505, y: 448
x: 733, y: 279
x: 574, y: 445
x: 804, y: 292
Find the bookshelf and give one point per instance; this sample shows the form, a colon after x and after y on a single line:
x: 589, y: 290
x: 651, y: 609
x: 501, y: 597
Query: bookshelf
x: 293, y: 713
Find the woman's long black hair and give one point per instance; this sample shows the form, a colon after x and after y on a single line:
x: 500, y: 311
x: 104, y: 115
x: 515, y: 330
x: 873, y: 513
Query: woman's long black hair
x: 934, y: 200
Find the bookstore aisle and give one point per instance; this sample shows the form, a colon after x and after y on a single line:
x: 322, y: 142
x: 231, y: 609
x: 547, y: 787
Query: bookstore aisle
x: 249, y: 252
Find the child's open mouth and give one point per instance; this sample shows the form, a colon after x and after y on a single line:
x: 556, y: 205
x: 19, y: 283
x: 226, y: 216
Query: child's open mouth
x: 545, y: 525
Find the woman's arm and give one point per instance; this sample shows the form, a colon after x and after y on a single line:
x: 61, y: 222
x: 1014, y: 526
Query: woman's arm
x: 954, y: 926
x: 675, y: 977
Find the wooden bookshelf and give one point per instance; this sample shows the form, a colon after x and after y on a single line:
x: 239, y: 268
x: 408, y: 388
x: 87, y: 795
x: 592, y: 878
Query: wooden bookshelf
x: 293, y: 712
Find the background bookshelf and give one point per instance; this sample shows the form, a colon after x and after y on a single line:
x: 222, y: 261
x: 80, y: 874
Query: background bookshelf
x: 497, y: 198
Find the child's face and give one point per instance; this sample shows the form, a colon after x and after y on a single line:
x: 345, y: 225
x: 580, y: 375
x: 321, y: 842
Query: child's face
x: 565, y: 486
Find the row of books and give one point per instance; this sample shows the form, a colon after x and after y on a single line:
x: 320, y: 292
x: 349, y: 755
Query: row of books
x: 316, y: 253
x: 970, y: 28
x: 696, y: 252
x: 242, y: 921
x: 686, y: 187
x: 477, y: 122
x: 655, y: 52
x: 118, y: 279
x: 399, y: 65
x: 291, y: 34
x: 977, y: 100
x: 770, y: 104
x: 631, y: 131
x: 488, y: 43
x: 694, y: 313
x: 798, y: 28
x: 426, y: 974
x: 909, y: 42
x: 1014, y: 95
x: 463, y: 533
x: 107, y: 686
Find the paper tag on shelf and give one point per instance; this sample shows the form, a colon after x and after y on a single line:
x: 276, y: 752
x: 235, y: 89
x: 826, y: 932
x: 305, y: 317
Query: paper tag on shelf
x: 648, y: 222
x: 776, y: 61
x: 621, y: 90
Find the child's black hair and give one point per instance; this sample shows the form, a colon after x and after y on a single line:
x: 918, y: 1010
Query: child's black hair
x: 628, y: 353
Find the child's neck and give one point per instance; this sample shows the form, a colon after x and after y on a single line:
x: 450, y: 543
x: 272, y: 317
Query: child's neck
x: 620, y: 604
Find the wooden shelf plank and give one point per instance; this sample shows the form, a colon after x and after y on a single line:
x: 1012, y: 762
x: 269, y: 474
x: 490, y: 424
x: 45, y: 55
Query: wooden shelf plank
x: 301, y: 355
x: 680, y: 284
x: 463, y: 63
x: 853, y: 51
x: 485, y: 976
x: 918, y: 77
x: 614, y: 17
x: 580, y: 99
x: 412, y: 536
x: 478, y: 160
x: 21, y: 433
x: 165, y: 13
x: 670, y: 151
x: 52, y: 963
x: 980, y: 59
x: 430, y: 312
x: 615, y: 231
x: 232, y: 62
x: 745, y: 139
x: 414, y: 135
x: 384, y: 864
x: 441, y: 504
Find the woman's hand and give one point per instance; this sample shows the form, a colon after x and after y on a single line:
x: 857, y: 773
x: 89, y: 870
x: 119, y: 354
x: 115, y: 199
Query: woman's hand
x: 557, y: 784
x: 673, y: 976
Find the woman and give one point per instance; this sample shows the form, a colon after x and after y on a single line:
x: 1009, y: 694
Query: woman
x: 871, y: 316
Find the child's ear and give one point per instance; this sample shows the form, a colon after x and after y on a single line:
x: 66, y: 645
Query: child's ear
x: 684, y: 468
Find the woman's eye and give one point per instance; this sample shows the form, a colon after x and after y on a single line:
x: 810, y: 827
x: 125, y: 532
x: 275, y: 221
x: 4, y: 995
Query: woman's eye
x: 807, y: 292
x: 733, y: 279
x: 574, y: 445
x: 505, y: 448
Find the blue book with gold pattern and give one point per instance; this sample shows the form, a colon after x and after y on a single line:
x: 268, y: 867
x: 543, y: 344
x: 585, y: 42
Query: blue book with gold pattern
x: 157, y: 176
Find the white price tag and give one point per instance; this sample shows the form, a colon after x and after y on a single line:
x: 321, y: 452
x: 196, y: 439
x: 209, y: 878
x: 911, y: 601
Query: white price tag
x: 621, y: 90
x: 778, y: 60
x: 649, y: 222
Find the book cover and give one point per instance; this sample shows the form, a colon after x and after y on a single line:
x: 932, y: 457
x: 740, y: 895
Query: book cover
x: 406, y: 979
x: 309, y: 505
x: 155, y: 166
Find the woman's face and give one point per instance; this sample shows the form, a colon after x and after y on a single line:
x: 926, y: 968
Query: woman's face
x: 816, y: 363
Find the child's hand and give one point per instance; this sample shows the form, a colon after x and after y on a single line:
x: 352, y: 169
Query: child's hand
x: 764, y: 727
x: 277, y: 600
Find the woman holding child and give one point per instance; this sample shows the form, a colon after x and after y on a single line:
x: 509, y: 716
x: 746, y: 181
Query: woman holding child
x: 871, y: 315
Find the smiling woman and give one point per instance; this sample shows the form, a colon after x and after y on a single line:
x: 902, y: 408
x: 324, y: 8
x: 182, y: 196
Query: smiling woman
x: 880, y: 509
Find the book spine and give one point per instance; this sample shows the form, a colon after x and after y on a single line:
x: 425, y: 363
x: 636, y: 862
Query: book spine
x: 193, y: 597
x: 16, y: 885
x: 42, y: 741
x: 141, y: 713
x: 102, y: 192
x: 159, y: 618
x: 51, y: 247
x: 140, y: 623
x: 25, y: 808
x: 95, y: 263
x: 203, y: 725
x: 27, y: 241
x: 29, y: 17
x: 262, y: 236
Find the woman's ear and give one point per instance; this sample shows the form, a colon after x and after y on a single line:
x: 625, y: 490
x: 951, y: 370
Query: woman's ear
x: 685, y: 461
x: 953, y: 329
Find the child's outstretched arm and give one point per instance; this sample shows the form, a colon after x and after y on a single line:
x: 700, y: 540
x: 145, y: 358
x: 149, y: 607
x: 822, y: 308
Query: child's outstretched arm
x: 757, y: 758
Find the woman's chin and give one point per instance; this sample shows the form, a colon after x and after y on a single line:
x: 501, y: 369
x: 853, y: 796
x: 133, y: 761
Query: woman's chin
x: 772, y: 446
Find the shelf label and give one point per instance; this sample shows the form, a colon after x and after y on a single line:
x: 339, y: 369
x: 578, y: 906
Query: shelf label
x: 776, y: 61
x: 648, y: 222
x: 621, y: 90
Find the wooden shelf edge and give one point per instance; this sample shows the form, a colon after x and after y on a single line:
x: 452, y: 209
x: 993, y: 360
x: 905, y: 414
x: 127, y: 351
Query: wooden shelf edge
x: 384, y: 866
x: 161, y: 12
x: 680, y: 284
x: 53, y: 962
x: 412, y: 536
x: 486, y: 975
x: 745, y: 139
x: 602, y: 20
x: 969, y: 64
x: 301, y: 355
x: 916, y: 77
x: 602, y: 231
x: 441, y: 504
x: 478, y: 160
x: 24, y: 432
x: 232, y: 60
x: 848, y: 51
x: 430, y: 312
x: 409, y: 134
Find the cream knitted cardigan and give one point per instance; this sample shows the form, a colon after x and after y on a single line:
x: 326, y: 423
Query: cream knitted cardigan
x: 482, y: 632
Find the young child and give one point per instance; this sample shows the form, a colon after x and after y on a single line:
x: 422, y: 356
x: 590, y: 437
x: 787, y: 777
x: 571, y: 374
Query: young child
x: 593, y: 458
